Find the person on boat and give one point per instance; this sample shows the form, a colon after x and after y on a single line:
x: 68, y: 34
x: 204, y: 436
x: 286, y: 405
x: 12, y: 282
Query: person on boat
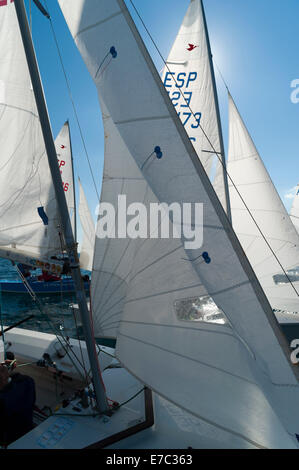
x: 24, y: 269
x: 48, y: 277
x: 17, y: 399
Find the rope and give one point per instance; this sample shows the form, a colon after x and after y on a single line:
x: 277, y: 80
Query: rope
x: 216, y: 153
x: 54, y: 329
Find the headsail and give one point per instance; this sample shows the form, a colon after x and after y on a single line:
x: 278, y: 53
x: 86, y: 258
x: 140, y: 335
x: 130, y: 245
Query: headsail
x: 250, y: 177
x: 189, y: 79
x: 65, y: 159
x: 168, y: 353
x: 88, y: 228
x: 295, y: 210
x: 28, y: 214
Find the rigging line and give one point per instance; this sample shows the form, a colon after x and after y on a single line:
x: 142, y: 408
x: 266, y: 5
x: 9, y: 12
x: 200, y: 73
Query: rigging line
x: 51, y: 324
x: 73, y: 104
x: 216, y: 153
x: 80, y: 346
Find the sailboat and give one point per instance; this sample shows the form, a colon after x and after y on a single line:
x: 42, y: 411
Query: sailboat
x: 294, y: 214
x: 260, y: 219
x: 65, y: 284
x: 178, y: 381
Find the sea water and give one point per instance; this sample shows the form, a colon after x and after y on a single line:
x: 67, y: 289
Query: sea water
x: 56, y: 315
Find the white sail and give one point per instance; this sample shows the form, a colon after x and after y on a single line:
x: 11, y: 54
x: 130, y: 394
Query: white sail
x: 295, y: 210
x: 155, y: 340
x: 25, y: 182
x: 189, y: 79
x: 64, y: 154
x: 88, y: 228
x: 254, y: 184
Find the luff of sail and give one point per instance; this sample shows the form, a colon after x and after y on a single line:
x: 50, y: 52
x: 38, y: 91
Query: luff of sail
x: 249, y: 178
x: 28, y: 212
x: 295, y: 210
x: 171, y: 356
x: 189, y: 79
x: 88, y: 228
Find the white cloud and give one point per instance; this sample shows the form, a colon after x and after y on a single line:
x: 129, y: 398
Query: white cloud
x: 290, y: 193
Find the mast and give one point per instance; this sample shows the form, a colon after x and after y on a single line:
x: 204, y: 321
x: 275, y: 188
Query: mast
x: 74, y: 189
x: 61, y: 202
x: 226, y: 190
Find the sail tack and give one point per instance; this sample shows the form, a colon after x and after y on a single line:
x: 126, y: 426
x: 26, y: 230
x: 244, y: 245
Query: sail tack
x: 252, y: 181
x: 168, y: 354
x: 28, y: 214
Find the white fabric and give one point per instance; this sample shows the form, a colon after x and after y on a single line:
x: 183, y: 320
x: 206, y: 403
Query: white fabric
x: 114, y: 259
x: 188, y: 81
x: 295, y: 210
x: 149, y: 331
x: 25, y: 181
x: 64, y: 155
x: 253, y: 182
x: 88, y: 228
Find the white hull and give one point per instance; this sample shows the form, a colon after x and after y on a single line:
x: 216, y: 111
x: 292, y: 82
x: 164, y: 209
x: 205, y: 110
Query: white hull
x: 172, y: 427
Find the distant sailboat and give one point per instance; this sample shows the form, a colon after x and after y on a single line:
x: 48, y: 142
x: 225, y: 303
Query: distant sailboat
x: 295, y: 210
x: 272, y: 227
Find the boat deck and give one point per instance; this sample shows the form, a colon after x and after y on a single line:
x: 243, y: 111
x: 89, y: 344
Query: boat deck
x: 51, y: 389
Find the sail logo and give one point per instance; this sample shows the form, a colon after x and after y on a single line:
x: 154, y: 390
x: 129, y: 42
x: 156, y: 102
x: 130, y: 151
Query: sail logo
x: 191, y: 47
x: 157, y: 220
x: 295, y: 353
x: 295, y: 93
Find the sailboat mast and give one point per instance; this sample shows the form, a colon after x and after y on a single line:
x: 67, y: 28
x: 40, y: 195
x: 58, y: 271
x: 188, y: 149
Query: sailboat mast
x: 61, y: 202
x: 74, y: 189
x: 226, y: 190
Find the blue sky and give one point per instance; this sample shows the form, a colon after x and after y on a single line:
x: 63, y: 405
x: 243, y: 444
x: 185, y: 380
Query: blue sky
x: 255, y: 44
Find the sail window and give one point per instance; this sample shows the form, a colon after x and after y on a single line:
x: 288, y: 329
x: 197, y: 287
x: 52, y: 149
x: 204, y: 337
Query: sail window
x: 291, y: 276
x: 201, y: 309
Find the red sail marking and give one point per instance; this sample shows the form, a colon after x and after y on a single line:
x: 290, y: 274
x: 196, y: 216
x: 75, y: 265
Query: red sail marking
x: 191, y: 47
x: 3, y: 3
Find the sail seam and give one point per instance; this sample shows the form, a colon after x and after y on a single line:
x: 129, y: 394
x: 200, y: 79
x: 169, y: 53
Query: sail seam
x: 227, y: 333
x: 19, y: 109
x: 142, y: 119
x: 183, y: 356
x: 83, y: 30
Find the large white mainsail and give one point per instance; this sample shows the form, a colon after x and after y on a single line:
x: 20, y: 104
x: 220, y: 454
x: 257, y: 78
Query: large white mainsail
x: 174, y: 356
x: 88, y: 228
x: 189, y: 79
x: 28, y: 216
x: 252, y: 181
x: 295, y: 210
